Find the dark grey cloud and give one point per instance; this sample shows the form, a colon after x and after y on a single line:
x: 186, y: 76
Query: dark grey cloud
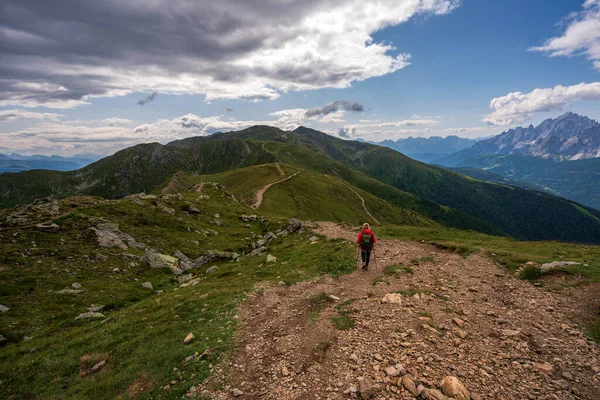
x: 148, y: 99
x: 333, y: 107
x: 60, y: 53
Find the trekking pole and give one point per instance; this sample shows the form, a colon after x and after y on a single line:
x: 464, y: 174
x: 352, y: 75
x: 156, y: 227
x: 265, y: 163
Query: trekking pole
x: 375, y: 260
x: 357, y: 257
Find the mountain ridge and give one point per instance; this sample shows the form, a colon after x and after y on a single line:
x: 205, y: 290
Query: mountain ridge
x: 567, y: 137
x: 449, y: 198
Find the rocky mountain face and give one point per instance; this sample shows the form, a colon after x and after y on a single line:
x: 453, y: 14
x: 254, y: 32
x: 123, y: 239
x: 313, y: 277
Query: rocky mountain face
x: 568, y: 137
x: 427, y: 149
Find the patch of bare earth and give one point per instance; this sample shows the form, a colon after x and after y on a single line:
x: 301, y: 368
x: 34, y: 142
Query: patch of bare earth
x: 139, y: 386
x: 502, y: 337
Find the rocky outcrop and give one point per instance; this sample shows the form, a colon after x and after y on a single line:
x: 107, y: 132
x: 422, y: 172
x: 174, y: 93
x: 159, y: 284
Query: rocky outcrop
x: 109, y: 235
x: 157, y: 260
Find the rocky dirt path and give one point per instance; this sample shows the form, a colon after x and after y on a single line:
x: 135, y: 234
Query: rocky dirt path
x: 260, y: 193
x: 502, y: 337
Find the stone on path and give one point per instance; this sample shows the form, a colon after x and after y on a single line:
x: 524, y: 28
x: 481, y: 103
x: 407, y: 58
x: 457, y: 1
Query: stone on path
x: 409, y: 385
x: 544, y: 367
x: 453, y: 387
x: 393, y: 298
x: 433, y: 394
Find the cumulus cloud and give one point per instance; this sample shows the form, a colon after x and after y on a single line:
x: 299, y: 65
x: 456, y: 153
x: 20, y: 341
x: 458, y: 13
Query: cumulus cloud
x: 517, y: 107
x: 15, y: 115
x: 61, y: 54
x: 581, y: 37
x: 148, y: 99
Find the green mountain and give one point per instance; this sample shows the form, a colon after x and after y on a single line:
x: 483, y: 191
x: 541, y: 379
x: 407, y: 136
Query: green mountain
x: 577, y: 180
x: 448, y: 198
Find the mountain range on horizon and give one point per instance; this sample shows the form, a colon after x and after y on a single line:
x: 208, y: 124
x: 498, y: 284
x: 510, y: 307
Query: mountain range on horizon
x: 428, y: 149
x: 448, y: 198
x: 567, y: 137
x: 560, y: 156
x: 16, y: 162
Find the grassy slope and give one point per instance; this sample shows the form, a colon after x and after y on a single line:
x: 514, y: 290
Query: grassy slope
x: 518, y: 212
x: 143, y: 333
x: 309, y: 195
x: 136, y: 169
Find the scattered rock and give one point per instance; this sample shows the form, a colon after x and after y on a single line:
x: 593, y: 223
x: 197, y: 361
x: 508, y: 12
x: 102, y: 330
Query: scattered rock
x: 90, y: 314
x: 212, y: 269
x: 452, y: 387
x: 271, y: 259
x: 510, y: 332
x: 148, y: 285
x: 3, y: 308
x: 76, y: 285
x: 284, y: 371
x: 544, y: 367
x: 69, y: 291
x: 97, y: 367
x: 409, y: 385
x: 95, y: 308
x: 367, y: 389
x: 48, y: 227
x: 433, y: 394
x: 391, y: 371
x: 157, y: 260
x: 248, y: 218
x: 189, y: 338
x: 557, y: 264
x: 394, y: 298
x: 3, y: 340
x: 164, y: 208
x: 237, y: 392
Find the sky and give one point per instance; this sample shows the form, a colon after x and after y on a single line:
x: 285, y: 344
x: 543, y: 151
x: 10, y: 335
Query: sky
x: 94, y: 77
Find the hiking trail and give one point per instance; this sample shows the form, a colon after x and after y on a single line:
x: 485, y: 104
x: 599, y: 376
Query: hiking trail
x: 261, y: 191
x: 504, y: 338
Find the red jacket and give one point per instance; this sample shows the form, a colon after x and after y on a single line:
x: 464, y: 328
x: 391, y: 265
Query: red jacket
x: 360, y: 235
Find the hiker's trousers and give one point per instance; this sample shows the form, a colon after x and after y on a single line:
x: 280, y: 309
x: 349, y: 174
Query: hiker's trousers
x: 366, y: 256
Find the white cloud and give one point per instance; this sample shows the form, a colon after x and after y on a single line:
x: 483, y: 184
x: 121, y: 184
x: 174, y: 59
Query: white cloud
x: 114, y: 121
x: 581, y: 37
x: 252, y: 50
x: 517, y: 107
x: 16, y: 115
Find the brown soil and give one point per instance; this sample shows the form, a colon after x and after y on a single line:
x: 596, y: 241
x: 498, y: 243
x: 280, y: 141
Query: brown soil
x: 469, y: 319
x: 139, y: 386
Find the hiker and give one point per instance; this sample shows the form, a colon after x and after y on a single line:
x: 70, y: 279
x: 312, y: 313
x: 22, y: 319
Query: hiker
x: 366, y: 240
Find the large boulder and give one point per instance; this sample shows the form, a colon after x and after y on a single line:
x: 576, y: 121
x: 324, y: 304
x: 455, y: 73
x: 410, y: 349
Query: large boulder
x: 211, y: 255
x: 453, y: 387
x: 557, y: 264
x: 157, y: 260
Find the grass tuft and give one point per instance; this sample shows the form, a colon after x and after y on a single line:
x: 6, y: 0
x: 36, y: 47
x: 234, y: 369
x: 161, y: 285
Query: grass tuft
x: 396, y: 269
